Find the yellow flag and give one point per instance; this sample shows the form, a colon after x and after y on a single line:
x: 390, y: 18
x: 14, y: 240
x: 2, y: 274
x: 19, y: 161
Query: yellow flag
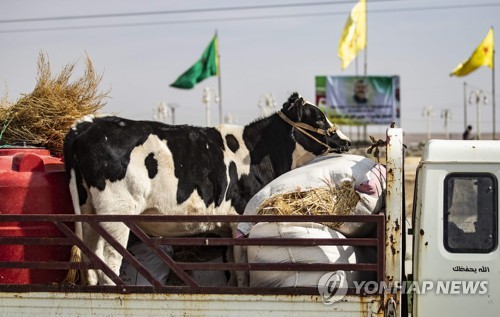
x: 353, y: 37
x: 482, y: 56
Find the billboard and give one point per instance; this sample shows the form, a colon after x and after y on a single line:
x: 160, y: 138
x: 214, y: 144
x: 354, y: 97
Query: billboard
x: 359, y: 100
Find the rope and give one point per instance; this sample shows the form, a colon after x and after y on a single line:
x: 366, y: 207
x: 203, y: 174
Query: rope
x: 302, y: 127
x: 391, y: 308
x: 374, y: 147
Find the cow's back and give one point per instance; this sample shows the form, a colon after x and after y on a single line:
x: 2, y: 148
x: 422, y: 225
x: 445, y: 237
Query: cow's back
x: 134, y: 167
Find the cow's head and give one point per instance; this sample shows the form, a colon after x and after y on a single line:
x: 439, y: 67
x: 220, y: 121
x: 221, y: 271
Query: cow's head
x: 312, y: 129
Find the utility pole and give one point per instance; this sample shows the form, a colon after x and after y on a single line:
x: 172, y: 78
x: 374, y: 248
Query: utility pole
x: 477, y: 96
x: 446, y: 115
x: 428, y: 112
x: 465, y: 106
x: 172, y: 107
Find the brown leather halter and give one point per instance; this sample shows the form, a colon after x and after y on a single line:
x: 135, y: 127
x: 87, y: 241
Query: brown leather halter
x: 304, y: 127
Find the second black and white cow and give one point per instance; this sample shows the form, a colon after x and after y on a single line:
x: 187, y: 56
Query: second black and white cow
x: 120, y: 166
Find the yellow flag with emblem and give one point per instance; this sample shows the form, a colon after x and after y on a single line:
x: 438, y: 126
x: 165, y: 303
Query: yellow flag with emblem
x: 482, y: 56
x: 353, y: 37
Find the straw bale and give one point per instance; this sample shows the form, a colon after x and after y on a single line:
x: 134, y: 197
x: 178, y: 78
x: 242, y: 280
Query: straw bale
x: 328, y: 200
x: 43, y: 117
x: 4, y: 105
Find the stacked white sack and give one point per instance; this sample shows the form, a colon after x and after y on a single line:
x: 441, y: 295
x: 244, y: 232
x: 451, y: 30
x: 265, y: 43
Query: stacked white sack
x: 296, y: 254
x: 367, y: 175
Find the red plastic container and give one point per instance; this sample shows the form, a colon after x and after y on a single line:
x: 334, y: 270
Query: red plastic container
x: 32, y: 182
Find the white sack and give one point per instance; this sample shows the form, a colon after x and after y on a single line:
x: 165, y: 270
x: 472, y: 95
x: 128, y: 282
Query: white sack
x: 367, y: 175
x: 295, y: 254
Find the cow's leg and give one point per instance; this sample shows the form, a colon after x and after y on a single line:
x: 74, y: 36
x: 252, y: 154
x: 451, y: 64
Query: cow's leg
x: 110, y: 256
x: 105, y: 251
x: 91, y: 239
x: 115, y: 199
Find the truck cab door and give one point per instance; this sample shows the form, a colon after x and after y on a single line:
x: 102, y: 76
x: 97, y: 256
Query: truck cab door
x: 456, y: 258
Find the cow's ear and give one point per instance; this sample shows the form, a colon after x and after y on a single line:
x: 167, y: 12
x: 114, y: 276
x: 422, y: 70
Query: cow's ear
x: 291, y: 101
x: 294, y: 105
x: 293, y: 98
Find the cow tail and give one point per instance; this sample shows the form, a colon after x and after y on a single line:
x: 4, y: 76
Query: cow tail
x: 73, y: 175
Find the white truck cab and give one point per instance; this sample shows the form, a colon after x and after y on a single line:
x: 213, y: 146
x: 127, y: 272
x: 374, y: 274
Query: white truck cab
x: 456, y: 259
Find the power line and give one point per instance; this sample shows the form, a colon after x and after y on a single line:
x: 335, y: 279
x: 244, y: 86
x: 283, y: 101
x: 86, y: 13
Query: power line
x: 247, y: 18
x: 167, y: 22
x: 220, y: 9
x: 447, y: 7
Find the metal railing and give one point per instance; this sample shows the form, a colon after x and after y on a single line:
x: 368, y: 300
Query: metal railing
x: 65, y: 223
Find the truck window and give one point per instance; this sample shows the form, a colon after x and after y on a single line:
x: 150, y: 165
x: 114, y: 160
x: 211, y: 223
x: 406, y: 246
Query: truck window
x: 470, y: 213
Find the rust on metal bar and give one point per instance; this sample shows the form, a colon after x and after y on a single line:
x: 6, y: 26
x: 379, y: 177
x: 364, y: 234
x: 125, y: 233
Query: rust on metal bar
x: 50, y: 265
x: 277, y: 266
x: 381, y: 249
x: 191, y: 218
x: 266, y: 241
x: 35, y: 241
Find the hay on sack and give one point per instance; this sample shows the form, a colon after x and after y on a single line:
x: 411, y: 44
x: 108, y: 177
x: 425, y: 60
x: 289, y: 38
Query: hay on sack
x: 43, y: 117
x: 328, y: 200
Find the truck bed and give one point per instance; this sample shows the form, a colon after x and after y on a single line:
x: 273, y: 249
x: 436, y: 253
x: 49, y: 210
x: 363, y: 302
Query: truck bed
x: 188, y: 297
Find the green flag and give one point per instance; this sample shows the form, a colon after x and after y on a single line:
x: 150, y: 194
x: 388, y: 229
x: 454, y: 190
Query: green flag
x: 205, y: 67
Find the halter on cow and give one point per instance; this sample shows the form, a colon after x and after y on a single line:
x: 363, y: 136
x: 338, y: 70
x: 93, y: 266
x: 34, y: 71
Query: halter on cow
x: 120, y: 166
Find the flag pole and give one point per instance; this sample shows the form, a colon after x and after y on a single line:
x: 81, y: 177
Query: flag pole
x: 465, y: 105
x: 366, y: 39
x: 219, y: 77
x: 365, y: 59
x: 356, y: 59
x: 493, y: 89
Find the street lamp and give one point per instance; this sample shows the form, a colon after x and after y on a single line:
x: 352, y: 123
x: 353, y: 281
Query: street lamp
x: 160, y: 112
x: 446, y: 115
x: 230, y: 119
x: 478, y: 96
x: 172, y: 107
x: 208, y: 95
x: 429, y: 113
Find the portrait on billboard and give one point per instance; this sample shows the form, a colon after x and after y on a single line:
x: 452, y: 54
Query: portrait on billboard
x: 360, y: 99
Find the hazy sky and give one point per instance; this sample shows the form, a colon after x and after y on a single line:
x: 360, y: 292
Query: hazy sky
x: 272, y: 50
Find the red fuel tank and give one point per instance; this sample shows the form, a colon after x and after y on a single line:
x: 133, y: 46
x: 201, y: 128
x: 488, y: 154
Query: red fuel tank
x: 32, y: 182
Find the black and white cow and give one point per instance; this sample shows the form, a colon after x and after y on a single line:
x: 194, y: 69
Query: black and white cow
x: 120, y: 166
